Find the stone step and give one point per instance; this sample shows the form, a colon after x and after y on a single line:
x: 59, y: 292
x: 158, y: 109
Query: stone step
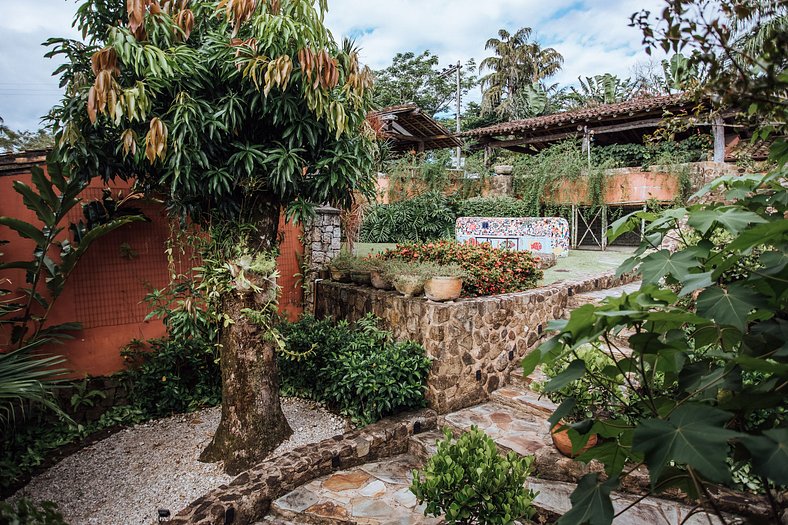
x: 511, y: 429
x: 517, y: 379
x: 372, y: 494
x: 524, y: 401
x: 597, y: 296
x: 424, y: 445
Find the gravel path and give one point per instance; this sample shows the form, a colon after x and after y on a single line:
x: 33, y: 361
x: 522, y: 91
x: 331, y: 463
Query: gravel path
x: 126, y: 477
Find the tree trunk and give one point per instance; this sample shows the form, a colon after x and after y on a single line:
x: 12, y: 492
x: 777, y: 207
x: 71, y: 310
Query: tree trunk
x: 252, y: 423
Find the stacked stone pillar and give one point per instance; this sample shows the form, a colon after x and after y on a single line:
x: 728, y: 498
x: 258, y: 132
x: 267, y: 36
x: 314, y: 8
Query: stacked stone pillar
x: 322, y: 242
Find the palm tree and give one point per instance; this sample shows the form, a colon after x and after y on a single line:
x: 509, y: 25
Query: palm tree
x: 516, y: 63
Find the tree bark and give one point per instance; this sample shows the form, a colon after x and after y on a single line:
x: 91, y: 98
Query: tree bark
x: 252, y: 423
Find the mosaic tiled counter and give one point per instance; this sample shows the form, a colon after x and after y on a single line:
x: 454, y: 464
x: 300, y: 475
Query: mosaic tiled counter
x: 534, y: 234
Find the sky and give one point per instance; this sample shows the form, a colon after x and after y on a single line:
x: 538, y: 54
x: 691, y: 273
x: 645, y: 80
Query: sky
x: 592, y: 35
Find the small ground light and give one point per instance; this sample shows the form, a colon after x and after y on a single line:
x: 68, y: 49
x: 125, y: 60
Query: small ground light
x: 164, y: 514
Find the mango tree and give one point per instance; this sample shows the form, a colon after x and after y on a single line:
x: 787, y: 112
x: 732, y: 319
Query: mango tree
x: 234, y: 110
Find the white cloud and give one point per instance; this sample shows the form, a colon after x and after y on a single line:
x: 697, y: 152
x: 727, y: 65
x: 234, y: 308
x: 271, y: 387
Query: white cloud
x: 591, y: 34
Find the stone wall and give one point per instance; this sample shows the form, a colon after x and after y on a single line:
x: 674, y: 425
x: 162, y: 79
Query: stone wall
x: 248, y: 497
x: 322, y: 242
x: 473, y: 343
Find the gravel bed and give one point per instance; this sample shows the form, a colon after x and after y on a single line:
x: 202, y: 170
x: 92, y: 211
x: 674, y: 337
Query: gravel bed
x: 126, y: 477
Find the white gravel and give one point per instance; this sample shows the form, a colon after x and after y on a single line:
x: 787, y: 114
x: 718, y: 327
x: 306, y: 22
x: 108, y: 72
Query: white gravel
x: 126, y: 477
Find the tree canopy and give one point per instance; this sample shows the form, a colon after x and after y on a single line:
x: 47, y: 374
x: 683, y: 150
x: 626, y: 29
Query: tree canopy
x: 416, y: 78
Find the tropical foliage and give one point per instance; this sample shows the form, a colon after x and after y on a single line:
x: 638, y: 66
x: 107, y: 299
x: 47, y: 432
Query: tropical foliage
x: 468, y: 482
x: 428, y: 217
x: 599, y: 89
x: 356, y: 369
x: 517, y: 62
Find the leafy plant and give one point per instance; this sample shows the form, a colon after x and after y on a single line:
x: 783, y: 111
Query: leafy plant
x: 26, y: 512
x: 489, y: 270
x: 494, y: 207
x: 359, y: 370
x: 427, y: 217
x: 709, y: 360
x: 468, y: 482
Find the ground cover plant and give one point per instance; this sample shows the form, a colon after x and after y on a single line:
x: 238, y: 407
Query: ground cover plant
x: 488, y: 270
x: 358, y: 369
x: 468, y: 482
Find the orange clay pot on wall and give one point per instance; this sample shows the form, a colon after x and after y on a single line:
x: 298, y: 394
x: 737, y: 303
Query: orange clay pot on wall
x: 443, y: 288
x: 564, y: 444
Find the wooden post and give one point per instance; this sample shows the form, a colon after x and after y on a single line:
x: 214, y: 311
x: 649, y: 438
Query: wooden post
x: 603, y: 237
x: 718, y: 131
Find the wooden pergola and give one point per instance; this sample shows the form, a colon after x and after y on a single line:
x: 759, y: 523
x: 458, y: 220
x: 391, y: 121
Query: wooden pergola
x: 408, y: 128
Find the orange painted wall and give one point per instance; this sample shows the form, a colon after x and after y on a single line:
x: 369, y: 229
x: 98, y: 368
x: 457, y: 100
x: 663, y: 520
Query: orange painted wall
x: 105, y: 293
x: 624, y: 185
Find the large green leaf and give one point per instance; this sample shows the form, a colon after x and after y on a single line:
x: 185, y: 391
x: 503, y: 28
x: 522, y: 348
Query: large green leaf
x: 659, y: 264
x: 770, y: 454
x: 734, y: 220
x: 36, y: 202
x: 728, y: 306
x: 24, y: 229
x: 591, y: 502
x: 693, y: 435
x: 573, y: 372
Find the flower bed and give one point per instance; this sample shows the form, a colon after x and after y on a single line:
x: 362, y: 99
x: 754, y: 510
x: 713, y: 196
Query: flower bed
x: 490, y: 271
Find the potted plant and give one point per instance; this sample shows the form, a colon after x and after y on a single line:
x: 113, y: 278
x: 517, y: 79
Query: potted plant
x: 444, y: 282
x: 378, y: 275
x: 408, y: 278
x: 340, y: 267
x: 360, y: 272
x: 591, y: 397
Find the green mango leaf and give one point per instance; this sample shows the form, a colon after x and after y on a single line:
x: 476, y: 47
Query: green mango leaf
x: 770, y: 454
x: 591, y: 502
x: 694, y: 434
x: 659, y: 264
x: 729, y: 306
x: 24, y: 229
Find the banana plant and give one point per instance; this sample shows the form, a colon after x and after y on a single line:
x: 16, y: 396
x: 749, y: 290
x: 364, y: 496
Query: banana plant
x: 24, y: 310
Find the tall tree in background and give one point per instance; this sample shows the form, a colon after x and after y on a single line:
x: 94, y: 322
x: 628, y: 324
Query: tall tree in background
x: 416, y: 78
x: 517, y: 62
x: 14, y: 140
x: 233, y: 111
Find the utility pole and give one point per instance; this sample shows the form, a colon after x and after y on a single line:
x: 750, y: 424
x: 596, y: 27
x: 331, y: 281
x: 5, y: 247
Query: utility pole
x: 446, y: 72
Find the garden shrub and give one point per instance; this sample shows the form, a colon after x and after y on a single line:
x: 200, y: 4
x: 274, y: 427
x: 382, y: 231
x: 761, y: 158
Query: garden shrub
x: 468, y: 481
x: 489, y: 270
x: 26, y: 512
x: 494, y: 207
x: 358, y: 370
x: 427, y: 217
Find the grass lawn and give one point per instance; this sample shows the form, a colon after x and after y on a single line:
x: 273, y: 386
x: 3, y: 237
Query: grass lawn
x: 585, y: 263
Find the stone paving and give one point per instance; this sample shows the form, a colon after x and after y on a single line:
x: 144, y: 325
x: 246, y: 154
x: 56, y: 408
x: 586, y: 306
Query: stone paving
x: 372, y: 494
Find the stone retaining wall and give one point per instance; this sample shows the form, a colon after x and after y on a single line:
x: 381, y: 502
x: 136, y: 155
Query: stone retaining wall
x: 474, y: 343
x: 322, y: 242
x: 248, y: 497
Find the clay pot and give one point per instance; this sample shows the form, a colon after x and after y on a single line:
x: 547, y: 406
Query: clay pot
x: 564, y: 444
x: 409, y: 285
x: 443, y: 288
x: 362, y: 278
x: 340, y: 276
x: 378, y: 281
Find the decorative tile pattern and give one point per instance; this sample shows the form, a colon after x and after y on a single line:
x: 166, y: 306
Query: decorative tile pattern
x: 534, y: 234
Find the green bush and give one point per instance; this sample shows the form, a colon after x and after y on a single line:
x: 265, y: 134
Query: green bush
x: 25, y: 512
x: 427, y: 217
x: 494, y: 207
x: 357, y: 370
x: 468, y: 481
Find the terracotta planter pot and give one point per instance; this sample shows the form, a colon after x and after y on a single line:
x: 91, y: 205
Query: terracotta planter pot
x: 443, y: 288
x: 377, y: 280
x: 360, y: 277
x: 409, y: 285
x: 564, y: 444
x: 340, y: 276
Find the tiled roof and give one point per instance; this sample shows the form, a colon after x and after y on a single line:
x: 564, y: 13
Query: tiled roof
x: 13, y: 163
x: 602, y: 112
x: 747, y: 149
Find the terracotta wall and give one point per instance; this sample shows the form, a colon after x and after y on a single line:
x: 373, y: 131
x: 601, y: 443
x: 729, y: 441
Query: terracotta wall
x: 105, y: 293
